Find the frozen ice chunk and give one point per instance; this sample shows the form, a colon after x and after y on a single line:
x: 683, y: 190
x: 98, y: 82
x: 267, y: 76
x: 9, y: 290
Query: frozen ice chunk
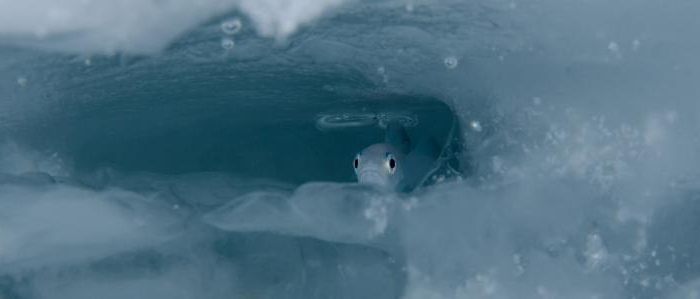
x: 346, y: 213
x: 52, y: 223
x: 16, y: 159
x: 199, y: 191
x: 138, y: 26
x: 596, y: 253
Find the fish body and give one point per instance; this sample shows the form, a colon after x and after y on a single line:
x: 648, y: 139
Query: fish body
x: 396, y: 164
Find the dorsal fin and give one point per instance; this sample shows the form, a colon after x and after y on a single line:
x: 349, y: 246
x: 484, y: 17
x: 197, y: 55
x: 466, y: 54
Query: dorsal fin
x: 397, y: 137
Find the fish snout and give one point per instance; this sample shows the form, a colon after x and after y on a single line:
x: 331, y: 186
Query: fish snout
x: 372, y: 176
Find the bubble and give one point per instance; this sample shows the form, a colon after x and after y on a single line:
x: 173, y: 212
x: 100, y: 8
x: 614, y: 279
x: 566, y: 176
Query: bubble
x: 613, y: 47
x: 475, y: 125
x: 350, y: 119
x: 381, y: 70
x: 344, y: 120
x: 635, y: 44
x: 519, y: 268
x: 22, y: 81
x: 227, y: 43
x: 451, y: 62
x: 409, y: 7
x: 537, y: 101
x: 41, y: 32
x: 671, y: 116
x: 544, y: 292
x: 231, y: 26
x: 87, y: 62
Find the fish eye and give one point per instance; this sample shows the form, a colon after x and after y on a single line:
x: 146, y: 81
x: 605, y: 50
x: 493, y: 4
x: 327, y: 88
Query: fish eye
x: 391, y: 163
x: 356, y: 163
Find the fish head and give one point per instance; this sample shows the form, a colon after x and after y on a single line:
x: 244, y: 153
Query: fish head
x: 379, y: 165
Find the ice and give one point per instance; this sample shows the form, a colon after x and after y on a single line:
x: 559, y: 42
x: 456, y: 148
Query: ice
x: 596, y: 254
x: 280, y: 18
x: 16, y: 159
x: 326, y: 211
x: 690, y: 290
x: 49, y: 219
x: 200, y: 192
x: 579, y: 150
x: 135, y: 26
x: 48, y: 223
x: 465, y: 245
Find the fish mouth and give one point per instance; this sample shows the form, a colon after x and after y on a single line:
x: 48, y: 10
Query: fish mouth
x: 372, y: 177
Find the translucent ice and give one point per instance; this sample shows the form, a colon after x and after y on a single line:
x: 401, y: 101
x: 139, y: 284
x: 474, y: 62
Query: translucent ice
x: 140, y: 26
x: 48, y: 223
x: 326, y: 211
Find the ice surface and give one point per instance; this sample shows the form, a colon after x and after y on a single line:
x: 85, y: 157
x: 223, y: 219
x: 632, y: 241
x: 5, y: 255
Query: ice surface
x: 326, y: 211
x: 47, y: 223
x: 135, y: 26
x: 124, y: 175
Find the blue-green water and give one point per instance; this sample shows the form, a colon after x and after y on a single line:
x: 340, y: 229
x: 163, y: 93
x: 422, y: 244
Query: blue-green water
x: 165, y: 149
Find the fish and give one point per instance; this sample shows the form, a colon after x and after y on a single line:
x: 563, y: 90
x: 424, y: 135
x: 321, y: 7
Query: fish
x: 397, y: 163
